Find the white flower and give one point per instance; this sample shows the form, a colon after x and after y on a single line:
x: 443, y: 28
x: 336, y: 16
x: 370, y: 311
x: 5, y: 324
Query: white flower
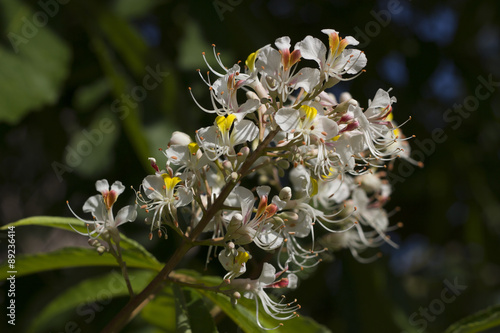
x: 278, y: 70
x: 223, y: 94
x: 356, y: 241
x: 187, y: 157
x: 339, y: 60
x: 234, y: 261
x: 254, y: 289
x: 221, y: 138
x: 100, y: 206
x: 163, y: 191
x: 244, y: 229
x: 373, y: 123
x: 311, y: 126
x: 371, y: 214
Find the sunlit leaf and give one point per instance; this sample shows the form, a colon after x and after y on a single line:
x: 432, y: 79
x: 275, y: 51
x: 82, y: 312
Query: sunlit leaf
x: 244, y: 313
x: 73, y: 257
x: 66, y: 223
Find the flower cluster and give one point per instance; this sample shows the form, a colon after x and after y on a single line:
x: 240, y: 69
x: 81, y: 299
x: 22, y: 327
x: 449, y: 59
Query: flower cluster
x: 316, y: 162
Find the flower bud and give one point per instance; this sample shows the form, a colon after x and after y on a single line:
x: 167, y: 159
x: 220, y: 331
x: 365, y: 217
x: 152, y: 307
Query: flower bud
x: 285, y: 193
x: 227, y: 165
x: 284, y: 164
x: 101, y: 249
x: 179, y: 138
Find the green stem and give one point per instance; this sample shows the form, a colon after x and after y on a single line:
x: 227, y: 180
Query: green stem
x: 123, y: 265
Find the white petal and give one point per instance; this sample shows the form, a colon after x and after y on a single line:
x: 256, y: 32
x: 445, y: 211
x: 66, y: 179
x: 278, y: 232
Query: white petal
x: 283, y: 43
x: 327, y: 125
x: 126, y: 214
x: 249, y: 106
x: 329, y: 31
x: 177, y: 154
x: 185, y: 196
x: 360, y: 199
x: 271, y: 240
x: 118, y: 187
x: 95, y: 205
x: 269, y: 61
x: 243, y: 131
x: 351, y: 40
x: 268, y: 274
x: 308, y: 78
x: 102, y: 185
x: 359, y: 116
x: 153, y: 187
x: 281, y: 204
x: 287, y: 118
x: 263, y: 190
x: 292, y: 281
x: 357, y: 61
x: 313, y: 49
x: 246, y: 199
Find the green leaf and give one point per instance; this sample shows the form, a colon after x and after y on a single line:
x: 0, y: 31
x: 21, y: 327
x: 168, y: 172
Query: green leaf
x: 66, y: 223
x: 161, y: 310
x: 181, y: 311
x: 244, y: 314
x: 178, y: 309
x: 35, y: 63
x: 99, y: 289
x: 73, y: 257
x: 477, y: 322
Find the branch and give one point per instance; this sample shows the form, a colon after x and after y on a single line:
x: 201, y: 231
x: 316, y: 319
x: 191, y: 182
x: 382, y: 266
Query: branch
x: 137, y: 303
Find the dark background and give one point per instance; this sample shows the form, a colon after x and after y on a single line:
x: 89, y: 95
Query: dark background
x: 70, y: 79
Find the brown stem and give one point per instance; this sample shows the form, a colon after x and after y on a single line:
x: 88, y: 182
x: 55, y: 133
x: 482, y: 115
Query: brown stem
x: 137, y: 303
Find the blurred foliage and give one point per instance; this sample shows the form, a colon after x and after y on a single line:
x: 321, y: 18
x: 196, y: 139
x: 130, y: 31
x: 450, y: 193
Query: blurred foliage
x: 90, y: 89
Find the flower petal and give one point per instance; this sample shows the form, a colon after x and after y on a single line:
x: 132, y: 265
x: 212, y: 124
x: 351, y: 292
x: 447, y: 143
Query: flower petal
x: 102, y: 185
x: 126, y: 214
x: 268, y: 274
x: 95, y: 205
x: 153, y: 187
x: 287, y: 118
x: 243, y: 131
x: 118, y: 187
x: 185, y: 196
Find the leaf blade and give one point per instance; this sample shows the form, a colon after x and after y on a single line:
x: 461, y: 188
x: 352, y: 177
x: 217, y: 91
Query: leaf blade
x: 114, y: 286
x: 477, y: 322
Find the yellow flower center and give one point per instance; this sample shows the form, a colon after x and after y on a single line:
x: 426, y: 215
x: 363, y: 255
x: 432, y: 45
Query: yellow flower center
x: 310, y: 112
x: 250, y: 62
x: 337, y: 44
x: 193, y: 148
x: 242, y: 257
x: 314, y: 185
x: 225, y: 123
x: 170, y: 182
